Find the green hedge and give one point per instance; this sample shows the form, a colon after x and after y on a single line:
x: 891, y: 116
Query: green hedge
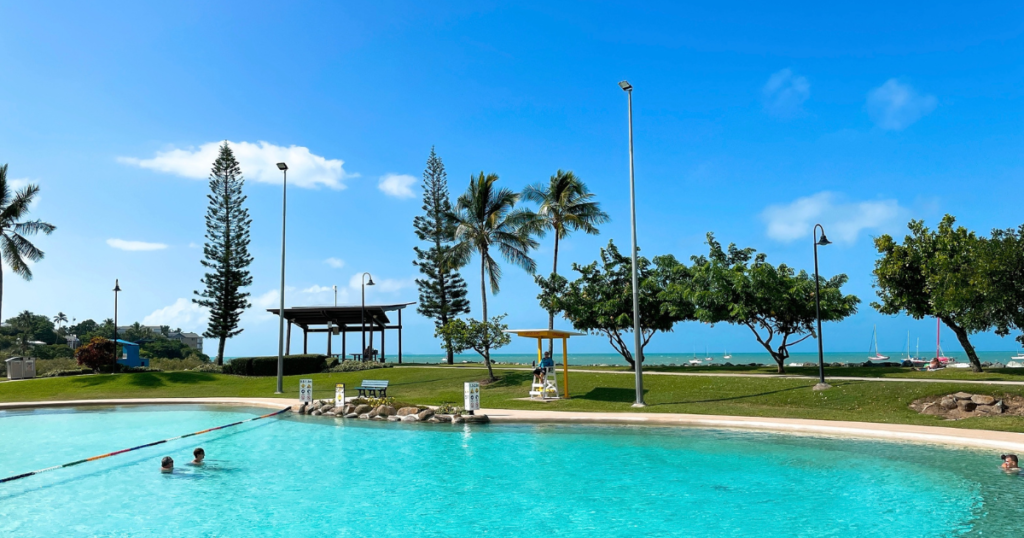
x: 267, y: 366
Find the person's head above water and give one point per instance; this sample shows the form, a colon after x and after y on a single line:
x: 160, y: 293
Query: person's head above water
x: 1009, y: 461
x: 198, y: 454
x: 166, y: 464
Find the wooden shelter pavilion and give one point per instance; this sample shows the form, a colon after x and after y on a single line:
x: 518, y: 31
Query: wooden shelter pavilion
x: 343, y: 320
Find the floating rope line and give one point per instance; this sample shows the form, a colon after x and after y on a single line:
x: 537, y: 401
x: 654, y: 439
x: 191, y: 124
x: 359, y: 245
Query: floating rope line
x: 94, y: 458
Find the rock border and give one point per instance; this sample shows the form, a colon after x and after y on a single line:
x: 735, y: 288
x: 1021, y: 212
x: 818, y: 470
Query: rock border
x: 326, y: 408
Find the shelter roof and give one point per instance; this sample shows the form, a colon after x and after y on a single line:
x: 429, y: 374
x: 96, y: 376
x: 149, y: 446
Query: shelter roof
x: 125, y: 342
x: 543, y: 333
x: 338, y: 315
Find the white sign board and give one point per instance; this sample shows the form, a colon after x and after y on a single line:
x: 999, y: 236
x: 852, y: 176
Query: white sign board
x: 472, y: 395
x: 339, y: 394
x: 306, y: 390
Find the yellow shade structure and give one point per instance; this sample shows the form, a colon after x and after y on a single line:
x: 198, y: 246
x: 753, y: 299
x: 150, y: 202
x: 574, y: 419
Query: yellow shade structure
x: 550, y: 334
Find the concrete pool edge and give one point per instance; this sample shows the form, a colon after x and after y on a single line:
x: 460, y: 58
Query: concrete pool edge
x: 983, y: 439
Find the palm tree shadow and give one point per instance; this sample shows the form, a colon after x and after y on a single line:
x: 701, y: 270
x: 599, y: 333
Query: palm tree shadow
x: 608, y: 394
x: 730, y: 398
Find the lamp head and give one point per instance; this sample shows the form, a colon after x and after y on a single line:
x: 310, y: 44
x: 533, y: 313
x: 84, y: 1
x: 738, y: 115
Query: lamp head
x: 823, y: 240
x: 370, y: 283
x: 282, y: 166
x: 117, y: 287
x: 626, y: 86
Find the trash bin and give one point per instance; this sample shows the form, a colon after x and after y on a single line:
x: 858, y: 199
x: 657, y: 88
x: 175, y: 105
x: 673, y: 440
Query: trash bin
x: 21, y: 368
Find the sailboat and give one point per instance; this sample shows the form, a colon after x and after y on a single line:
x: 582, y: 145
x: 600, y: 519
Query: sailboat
x: 727, y: 355
x: 1019, y: 356
x: 916, y: 359
x: 877, y: 356
x: 707, y: 357
x: 938, y: 347
x: 695, y: 361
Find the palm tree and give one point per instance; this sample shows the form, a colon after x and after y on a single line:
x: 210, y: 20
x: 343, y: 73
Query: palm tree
x: 14, y: 248
x: 566, y: 205
x: 486, y: 219
x: 59, y: 320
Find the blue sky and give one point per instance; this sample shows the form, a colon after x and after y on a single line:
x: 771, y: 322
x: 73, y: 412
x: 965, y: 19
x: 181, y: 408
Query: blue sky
x: 753, y: 122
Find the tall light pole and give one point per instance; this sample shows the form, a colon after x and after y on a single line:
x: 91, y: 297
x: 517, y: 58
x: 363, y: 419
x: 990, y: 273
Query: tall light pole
x: 822, y: 385
x: 117, y: 288
x: 335, y: 295
x: 638, y: 352
x: 362, y: 317
x: 280, y: 313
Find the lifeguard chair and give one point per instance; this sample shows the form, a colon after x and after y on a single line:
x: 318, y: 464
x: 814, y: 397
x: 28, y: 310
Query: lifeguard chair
x: 548, y: 388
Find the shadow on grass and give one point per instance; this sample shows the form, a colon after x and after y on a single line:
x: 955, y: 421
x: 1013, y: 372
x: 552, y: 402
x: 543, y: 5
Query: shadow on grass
x: 145, y: 379
x: 729, y: 398
x: 511, y: 379
x: 607, y: 394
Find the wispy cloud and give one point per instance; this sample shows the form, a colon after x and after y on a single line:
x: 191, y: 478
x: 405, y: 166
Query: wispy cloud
x: 257, y: 160
x: 381, y: 285
x: 397, y: 185
x: 183, y: 313
x: 121, y: 244
x: 784, y: 93
x: 843, y: 220
x: 895, y: 106
x: 336, y: 263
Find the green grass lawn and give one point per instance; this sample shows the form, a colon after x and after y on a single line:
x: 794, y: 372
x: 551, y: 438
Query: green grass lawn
x: 750, y: 396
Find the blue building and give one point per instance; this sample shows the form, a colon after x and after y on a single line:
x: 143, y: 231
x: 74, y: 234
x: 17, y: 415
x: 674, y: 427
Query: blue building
x: 130, y: 355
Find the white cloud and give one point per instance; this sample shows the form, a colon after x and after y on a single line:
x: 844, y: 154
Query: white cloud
x: 257, y: 160
x: 193, y: 245
x: 183, y: 313
x: 843, y: 221
x: 336, y: 263
x: 380, y: 285
x: 397, y: 185
x: 784, y: 93
x: 121, y: 244
x: 895, y: 106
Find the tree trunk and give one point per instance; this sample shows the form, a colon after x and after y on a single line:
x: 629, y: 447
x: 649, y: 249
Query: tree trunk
x: 483, y: 302
x: 551, y: 315
x: 220, y: 351
x: 961, y: 335
x: 779, y: 361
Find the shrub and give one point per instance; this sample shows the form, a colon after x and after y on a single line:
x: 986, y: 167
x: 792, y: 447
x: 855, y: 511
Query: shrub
x: 63, y: 373
x: 267, y: 366
x: 98, y: 353
x: 207, y: 367
x: 448, y: 408
x: 177, y: 365
x: 358, y: 366
x: 376, y: 402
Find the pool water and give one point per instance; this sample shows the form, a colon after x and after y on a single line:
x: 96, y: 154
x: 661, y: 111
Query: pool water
x: 308, y: 476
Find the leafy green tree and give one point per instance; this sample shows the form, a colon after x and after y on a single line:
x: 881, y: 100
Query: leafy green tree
x: 226, y: 251
x: 565, y: 206
x: 35, y: 327
x: 487, y: 220
x: 601, y: 299
x: 1006, y: 278
x: 15, y: 249
x: 442, y: 289
x: 739, y: 287
x: 480, y: 336
x: 942, y: 273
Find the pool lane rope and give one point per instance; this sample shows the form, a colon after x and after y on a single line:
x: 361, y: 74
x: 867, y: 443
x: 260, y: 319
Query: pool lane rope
x: 94, y: 458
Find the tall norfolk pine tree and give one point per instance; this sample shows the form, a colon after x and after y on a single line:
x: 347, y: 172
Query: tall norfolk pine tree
x: 442, y: 290
x: 226, y: 251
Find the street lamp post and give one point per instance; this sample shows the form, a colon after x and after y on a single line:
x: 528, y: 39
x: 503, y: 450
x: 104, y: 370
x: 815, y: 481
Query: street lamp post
x: 362, y: 317
x: 638, y: 353
x: 335, y: 295
x: 822, y: 385
x: 280, y: 313
x: 117, y: 288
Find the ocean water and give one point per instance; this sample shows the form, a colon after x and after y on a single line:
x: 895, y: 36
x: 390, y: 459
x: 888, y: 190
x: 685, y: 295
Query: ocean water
x: 614, y: 359
x: 307, y: 476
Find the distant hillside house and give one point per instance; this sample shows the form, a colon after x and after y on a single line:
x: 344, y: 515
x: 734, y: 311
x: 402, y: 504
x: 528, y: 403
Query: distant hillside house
x: 191, y: 340
x: 154, y: 329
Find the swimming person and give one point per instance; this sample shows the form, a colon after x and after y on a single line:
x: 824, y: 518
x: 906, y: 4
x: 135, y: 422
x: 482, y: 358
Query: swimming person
x: 167, y: 465
x: 1010, y: 463
x: 198, y: 454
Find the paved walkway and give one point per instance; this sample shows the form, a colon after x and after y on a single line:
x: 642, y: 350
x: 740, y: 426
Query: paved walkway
x: 739, y: 374
x: 984, y: 439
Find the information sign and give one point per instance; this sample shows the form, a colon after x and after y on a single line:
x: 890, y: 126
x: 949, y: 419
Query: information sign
x: 306, y: 390
x: 472, y: 395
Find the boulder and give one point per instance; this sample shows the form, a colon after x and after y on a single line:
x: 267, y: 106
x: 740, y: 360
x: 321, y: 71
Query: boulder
x: 378, y: 417
x: 433, y: 420
x: 1001, y: 406
x: 351, y: 415
x: 349, y: 408
x: 365, y: 416
x: 301, y: 409
x: 948, y: 403
x: 932, y: 409
x: 394, y: 418
x: 408, y: 411
x: 966, y: 405
x: 982, y: 399
x: 458, y: 419
x: 476, y: 419
x: 409, y: 418
x: 962, y: 396
x: 990, y: 409
x: 443, y: 418
x: 362, y: 409
x: 327, y: 407
x: 317, y: 412
x: 425, y: 414
x: 386, y: 410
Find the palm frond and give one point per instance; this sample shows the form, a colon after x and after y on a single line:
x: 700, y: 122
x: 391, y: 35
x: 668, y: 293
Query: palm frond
x: 13, y: 257
x: 33, y: 227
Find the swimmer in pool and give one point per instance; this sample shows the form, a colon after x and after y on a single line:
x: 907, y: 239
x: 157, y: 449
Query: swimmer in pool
x: 199, y: 454
x: 1010, y: 463
x: 167, y: 465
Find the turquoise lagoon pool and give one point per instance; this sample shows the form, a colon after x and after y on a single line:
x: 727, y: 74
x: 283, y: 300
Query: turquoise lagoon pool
x: 307, y: 476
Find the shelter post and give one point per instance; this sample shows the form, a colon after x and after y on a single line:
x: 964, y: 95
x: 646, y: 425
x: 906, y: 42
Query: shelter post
x: 383, y: 356
x: 288, y: 347
x: 330, y: 335
x: 399, y: 337
x: 565, y: 367
x: 343, y: 350
x: 305, y: 341
x: 540, y: 351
